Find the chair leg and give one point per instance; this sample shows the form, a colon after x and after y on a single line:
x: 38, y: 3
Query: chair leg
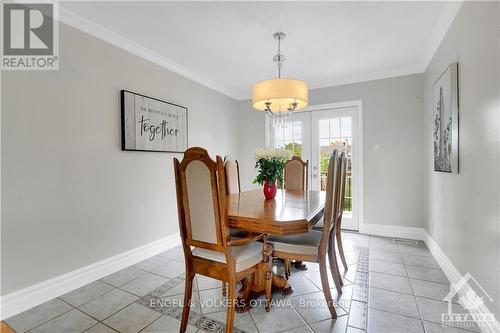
x: 231, y: 303
x: 341, y: 248
x: 334, y: 268
x: 188, y: 290
x: 224, y: 288
x: 326, y: 287
x: 287, y: 268
x: 269, y: 285
x: 267, y: 260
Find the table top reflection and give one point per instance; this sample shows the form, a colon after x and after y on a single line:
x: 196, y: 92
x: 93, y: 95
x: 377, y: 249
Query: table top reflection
x: 290, y: 212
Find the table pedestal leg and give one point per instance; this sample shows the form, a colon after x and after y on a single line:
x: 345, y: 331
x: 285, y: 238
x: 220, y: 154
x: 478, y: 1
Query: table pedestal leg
x: 254, y: 287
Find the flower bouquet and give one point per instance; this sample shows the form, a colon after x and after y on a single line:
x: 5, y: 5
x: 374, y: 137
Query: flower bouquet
x: 270, y: 164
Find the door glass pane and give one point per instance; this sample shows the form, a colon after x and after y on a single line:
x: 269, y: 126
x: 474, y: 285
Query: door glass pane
x: 289, y: 137
x: 289, y: 131
x: 297, y: 148
x: 297, y: 130
x: 278, y: 134
x: 324, y: 128
x: 335, y: 133
x: 335, y: 127
x: 345, y: 127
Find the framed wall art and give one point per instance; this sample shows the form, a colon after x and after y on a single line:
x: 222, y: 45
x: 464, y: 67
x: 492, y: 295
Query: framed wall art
x: 150, y: 124
x: 445, y: 118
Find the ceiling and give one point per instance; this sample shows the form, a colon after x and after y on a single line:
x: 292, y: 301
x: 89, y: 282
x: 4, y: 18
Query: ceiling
x: 228, y: 46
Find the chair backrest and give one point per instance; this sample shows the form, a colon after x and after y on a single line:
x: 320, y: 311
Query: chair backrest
x: 232, y: 170
x: 296, y: 174
x: 332, y: 199
x: 200, y: 200
x: 343, y: 179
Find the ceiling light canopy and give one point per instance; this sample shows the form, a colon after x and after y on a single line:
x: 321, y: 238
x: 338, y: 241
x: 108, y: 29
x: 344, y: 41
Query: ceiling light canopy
x: 280, y: 97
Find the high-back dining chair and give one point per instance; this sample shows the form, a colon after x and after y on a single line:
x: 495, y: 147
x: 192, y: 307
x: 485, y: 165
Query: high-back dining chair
x: 338, y: 222
x: 296, y: 174
x: 295, y: 178
x: 232, y: 172
x: 201, y: 203
x: 313, y: 245
x: 338, y: 218
x: 232, y: 169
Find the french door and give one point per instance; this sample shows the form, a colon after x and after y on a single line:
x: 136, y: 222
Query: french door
x: 313, y: 135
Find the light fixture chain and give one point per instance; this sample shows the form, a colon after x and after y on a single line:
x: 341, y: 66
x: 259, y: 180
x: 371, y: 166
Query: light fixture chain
x: 279, y: 58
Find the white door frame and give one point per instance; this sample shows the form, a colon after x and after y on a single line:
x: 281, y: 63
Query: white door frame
x: 359, y: 105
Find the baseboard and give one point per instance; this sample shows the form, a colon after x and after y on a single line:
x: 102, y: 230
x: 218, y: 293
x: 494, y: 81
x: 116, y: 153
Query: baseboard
x: 454, y: 276
x: 24, y: 299
x: 386, y: 230
x: 449, y: 269
x: 451, y: 272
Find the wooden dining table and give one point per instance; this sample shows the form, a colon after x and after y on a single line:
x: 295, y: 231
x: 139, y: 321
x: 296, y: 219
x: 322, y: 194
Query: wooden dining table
x: 291, y: 212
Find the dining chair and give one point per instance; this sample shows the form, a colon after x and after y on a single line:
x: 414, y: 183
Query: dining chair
x: 338, y: 222
x: 232, y: 169
x: 296, y: 174
x: 313, y: 245
x: 208, y: 247
x: 295, y: 178
x: 232, y: 172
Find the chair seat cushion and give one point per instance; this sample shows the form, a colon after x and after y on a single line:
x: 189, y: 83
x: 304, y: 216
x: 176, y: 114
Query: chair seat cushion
x: 246, y: 256
x: 301, y: 244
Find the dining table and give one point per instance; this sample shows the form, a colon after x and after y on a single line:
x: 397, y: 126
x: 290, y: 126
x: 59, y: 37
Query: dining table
x: 291, y: 212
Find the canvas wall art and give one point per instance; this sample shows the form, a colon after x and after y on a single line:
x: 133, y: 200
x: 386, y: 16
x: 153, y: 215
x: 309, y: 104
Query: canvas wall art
x: 445, y: 117
x: 149, y: 124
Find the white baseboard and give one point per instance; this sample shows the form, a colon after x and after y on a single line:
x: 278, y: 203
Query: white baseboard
x: 454, y: 276
x: 386, y: 230
x: 449, y: 269
x: 24, y: 299
x: 444, y: 262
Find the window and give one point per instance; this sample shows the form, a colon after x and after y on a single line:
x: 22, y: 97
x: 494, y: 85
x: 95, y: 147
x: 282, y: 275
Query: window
x: 289, y: 137
x: 335, y: 133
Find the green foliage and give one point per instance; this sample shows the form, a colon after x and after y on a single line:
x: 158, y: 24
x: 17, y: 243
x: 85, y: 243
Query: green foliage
x: 270, y: 169
x: 324, y: 160
x: 294, y: 148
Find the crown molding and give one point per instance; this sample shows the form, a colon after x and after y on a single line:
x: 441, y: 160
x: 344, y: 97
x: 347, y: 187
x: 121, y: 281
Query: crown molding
x: 366, y: 77
x: 446, y: 18
x: 71, y: 18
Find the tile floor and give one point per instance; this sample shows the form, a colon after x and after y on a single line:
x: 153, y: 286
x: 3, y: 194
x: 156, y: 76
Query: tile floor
x: 389, y: 288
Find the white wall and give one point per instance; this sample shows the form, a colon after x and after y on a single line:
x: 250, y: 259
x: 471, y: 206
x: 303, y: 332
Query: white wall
x: 70, y: 196
x: 463, y: 210
x: 392, y: 121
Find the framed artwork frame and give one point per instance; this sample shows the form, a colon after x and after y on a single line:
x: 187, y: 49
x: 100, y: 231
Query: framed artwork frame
x: 445, y: 110
x: 150, y: 124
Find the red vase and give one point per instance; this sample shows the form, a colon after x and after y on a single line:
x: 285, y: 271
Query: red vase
x: 269, y: 190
